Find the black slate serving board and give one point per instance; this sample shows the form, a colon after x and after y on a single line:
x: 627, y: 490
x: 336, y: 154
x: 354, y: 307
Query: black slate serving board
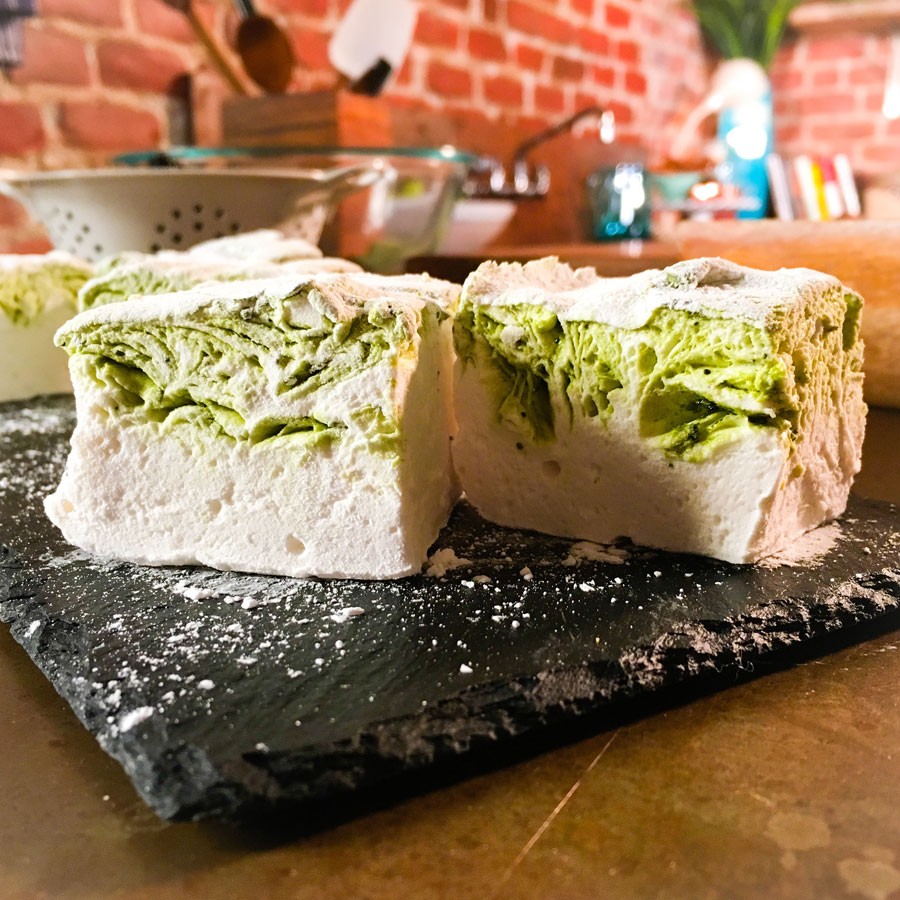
x: 230, y: 696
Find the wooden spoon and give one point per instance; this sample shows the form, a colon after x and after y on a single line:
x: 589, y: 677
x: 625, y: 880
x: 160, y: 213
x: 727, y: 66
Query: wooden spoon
x: 264, y: 49
x: 226, y: 69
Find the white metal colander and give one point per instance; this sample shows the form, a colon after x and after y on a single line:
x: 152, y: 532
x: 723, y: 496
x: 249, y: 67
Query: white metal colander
x: 93, y: 213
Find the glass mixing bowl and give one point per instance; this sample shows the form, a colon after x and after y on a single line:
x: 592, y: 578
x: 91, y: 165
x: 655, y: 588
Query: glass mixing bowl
x: 404, y: 212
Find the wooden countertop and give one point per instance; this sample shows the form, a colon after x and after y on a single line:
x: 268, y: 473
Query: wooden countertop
x: 783, y: 787
x: 610, y: 258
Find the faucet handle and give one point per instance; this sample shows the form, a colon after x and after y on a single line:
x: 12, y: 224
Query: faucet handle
x: 521, y: 176
x: 497, y: 178
x: 486, y: 178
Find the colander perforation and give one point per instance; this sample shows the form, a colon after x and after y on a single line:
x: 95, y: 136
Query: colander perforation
x: 95, y: 213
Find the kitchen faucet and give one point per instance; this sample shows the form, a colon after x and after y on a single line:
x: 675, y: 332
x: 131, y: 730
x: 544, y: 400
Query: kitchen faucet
x: 527, y: 181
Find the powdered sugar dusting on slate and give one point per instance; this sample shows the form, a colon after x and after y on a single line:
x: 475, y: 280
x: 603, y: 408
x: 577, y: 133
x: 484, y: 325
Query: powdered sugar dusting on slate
x: 808, y: 550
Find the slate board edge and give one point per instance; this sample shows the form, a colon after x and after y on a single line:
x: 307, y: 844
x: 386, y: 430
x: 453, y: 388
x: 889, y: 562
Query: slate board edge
x: 184, y: 785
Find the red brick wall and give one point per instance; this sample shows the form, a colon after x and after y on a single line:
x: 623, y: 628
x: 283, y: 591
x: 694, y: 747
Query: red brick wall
x: 828, y: 93
x: 92, y: 83
x: 545, y: 60
x: 96, y: 72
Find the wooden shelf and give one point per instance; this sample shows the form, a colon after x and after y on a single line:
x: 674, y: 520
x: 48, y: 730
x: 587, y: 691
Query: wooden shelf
x: 831, y: 18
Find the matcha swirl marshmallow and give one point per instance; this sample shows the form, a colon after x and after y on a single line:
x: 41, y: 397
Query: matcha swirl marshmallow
x: 297, y: 425
x: 136, y: 274
x: 706, y: 408
x: 37, y: 294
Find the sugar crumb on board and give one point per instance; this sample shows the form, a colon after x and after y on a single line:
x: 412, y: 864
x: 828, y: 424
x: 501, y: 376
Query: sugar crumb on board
x: 128, y: 720
x: 442, y: 561
x: 588, y: 551
x: 347, y: 612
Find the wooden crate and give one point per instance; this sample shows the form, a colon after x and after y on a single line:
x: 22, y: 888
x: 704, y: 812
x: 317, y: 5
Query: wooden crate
x: 314, y: 119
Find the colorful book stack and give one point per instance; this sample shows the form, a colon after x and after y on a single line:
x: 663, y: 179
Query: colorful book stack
x: 813, y: 187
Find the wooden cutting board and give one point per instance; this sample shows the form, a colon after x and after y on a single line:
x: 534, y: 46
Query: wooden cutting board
x: 237, y: 696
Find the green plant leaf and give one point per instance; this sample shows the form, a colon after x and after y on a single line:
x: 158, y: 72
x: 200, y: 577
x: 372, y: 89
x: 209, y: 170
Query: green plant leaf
x: 721, y: 31
x: 775, y: 28
x: 744, y: 28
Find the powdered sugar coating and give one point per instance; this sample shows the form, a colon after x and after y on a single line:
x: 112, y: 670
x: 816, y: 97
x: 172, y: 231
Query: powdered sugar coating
x: 709, y: 286
x: 33, y: 262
